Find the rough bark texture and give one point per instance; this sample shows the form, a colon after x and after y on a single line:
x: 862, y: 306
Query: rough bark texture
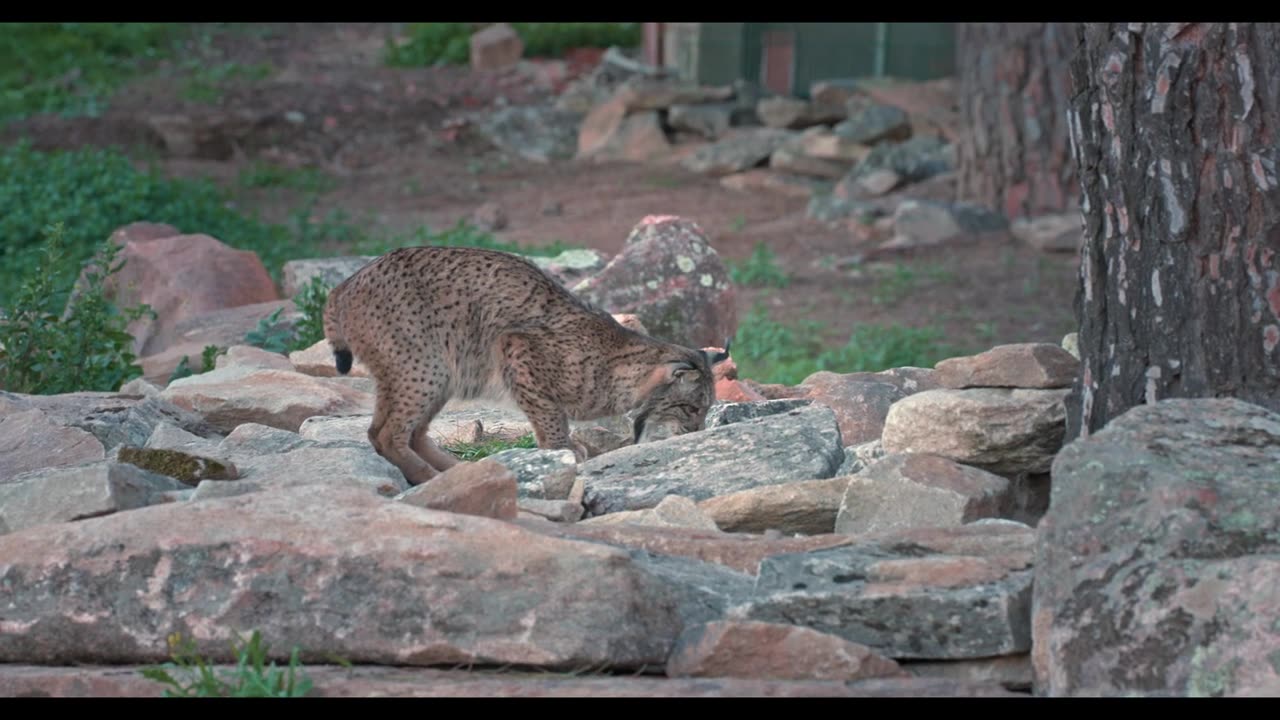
x: 1015, y: 155
x: 1173, y: 131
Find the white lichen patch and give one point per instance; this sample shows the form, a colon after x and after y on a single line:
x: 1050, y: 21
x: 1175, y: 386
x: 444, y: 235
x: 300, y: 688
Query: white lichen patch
x: 1244, y: 71
x: 706, y: 280
x: 1153, y: 376
x: 652, y: 284
x: 1155, y: 287
x: 685, y: 263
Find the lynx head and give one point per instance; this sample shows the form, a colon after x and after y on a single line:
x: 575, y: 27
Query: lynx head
x: 678, y: 394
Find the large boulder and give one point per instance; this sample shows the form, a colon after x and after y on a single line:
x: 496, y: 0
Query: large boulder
x: 920, y: 490
x: 334, y: 571
x: 496, y: 47
x: 63, y: 494
x: 181, y: 276
x: 737, y: 151
x: 1158, y: 563
x: 220, y: 328
x: 1004, y: 431
x: 1022, y: 365
x: 670, y: 277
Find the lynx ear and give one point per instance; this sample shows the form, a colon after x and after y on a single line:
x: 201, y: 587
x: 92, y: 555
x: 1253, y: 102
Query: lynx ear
x: 720, y: 356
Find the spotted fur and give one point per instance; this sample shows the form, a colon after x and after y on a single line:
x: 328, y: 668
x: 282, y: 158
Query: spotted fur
x: 434, y: 323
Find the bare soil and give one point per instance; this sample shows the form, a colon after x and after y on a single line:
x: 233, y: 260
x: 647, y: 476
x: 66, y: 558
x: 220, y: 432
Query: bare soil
x: 384, y: 136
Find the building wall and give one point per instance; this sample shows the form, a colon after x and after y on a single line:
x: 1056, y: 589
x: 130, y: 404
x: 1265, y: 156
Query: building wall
x: 719, y: 53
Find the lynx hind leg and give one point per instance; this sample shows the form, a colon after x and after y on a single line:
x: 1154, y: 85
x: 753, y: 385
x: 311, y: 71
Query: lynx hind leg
x: 428, y: 450
x: 408, y: 412
x: 550, y: 422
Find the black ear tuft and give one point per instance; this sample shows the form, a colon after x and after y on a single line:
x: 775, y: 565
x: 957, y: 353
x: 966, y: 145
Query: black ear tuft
x: 342, y: 361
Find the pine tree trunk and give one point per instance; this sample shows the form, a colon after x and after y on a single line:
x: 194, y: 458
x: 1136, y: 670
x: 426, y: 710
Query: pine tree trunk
x: 1174, y: 133
x: 1015, y: 155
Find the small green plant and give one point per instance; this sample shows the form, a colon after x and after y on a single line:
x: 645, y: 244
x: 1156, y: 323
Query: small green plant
x: 738, y: 223
x: 902, y: 280
x: 48, y: 348
x: 310, y: 302
x: 430, y: 43
x: 252, y: 676
x: 759, y: 270
x: 208, y: 357
x: 470, y: 452
x: 270, y: 334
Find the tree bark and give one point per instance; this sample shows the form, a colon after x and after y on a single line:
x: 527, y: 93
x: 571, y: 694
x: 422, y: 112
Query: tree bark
x: 1174, y: 133
x: 1015, y: 155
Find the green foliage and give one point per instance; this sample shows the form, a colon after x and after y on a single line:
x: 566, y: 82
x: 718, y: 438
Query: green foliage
x: 182, y: 370
x: 209, y: 356
x: 553, y: 39
x: 252, y: 676
x: 310, y: 302
x: 431, y: 43
x: 205, y: 82
x: 102, y: 191
x: 73, y: 67
x: 470, y: 452
x: 759, y: 270
x: 270, y: 334
x: 265, y: 175
x: 49, y: 347
x: 768, y: 351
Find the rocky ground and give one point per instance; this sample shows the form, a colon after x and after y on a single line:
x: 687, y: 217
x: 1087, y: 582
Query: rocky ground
x: 917, y: 531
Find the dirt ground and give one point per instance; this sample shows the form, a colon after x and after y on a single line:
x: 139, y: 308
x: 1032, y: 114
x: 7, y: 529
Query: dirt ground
x: 383, y: 135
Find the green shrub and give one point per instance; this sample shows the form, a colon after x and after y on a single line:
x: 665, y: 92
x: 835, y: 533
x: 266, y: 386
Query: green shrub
x: 759, y: 270
x: 770, y: 352
x: 430, y: 43
x: 271, y: 335
x: 73, y: 67
x: 252, y: 676
x: 99, y: 190
x: 310, y: 302
x: 50, y: 347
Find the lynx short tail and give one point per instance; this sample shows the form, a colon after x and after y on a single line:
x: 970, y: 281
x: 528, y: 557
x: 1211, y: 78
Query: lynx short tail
x: 342, y: 357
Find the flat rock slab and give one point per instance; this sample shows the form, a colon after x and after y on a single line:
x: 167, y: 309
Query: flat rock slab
x: 115, y: 419
x: 738, y: 552
x: 333, y: 571
x: 230, y: 396
x: 1158, y: 562
x: 378, y: 681
x: 66, y: 493
x: 905, y: 599
x: 30, y: 441
x: 808, y: 507
x: 802, y: 444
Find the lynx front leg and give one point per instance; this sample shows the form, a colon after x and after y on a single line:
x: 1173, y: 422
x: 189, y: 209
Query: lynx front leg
x: 427, y: 448
x: 550, y: 422
x: 394, y: 441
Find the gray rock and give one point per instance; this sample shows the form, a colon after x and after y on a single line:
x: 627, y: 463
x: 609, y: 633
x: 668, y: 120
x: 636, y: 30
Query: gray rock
x: 739, y: 151
x: 214, y: 489
x: 806, y: 507
x: 724, y: 413
x: 874, y: 123
x: 705, y: 591
x: 999, y: 430
x: 540, y: 474
x: 572, y: 266
x: 829, y: 208
x: 112, y: 418
x: 711, y: 121
x: 671, y: 511
x: 858, y: 457
x: 921, y: 595
x: 255, y: 439
x: 332, y: 270
x: 913, y: 160
x: 64, y: 494
x: 919, y: 490
x: 554, y: 510
x: 1158, y: 563
x: 801, y: 444
x: 534, y: 132
x: 30, y: 441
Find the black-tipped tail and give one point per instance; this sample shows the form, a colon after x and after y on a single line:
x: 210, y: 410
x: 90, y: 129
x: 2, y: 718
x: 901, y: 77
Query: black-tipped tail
x: 342, y: 360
